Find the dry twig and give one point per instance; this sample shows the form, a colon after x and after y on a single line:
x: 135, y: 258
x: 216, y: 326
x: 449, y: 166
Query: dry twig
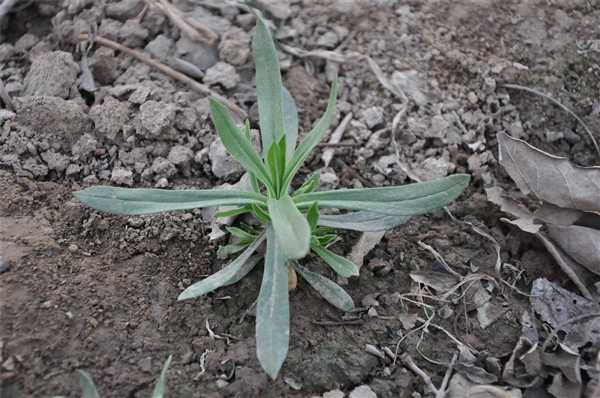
x: 188, y: 27
x: 443, y: 389
x: 172, y: 73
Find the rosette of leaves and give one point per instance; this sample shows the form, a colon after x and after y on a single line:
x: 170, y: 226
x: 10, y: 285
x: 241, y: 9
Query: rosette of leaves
x: 292, y: 223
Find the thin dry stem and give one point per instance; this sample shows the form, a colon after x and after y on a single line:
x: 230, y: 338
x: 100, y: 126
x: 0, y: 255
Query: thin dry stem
x: 172, y: 73
x: 189, y: 28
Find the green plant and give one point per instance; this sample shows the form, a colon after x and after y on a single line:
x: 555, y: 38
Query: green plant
x: 291, y: 223
x: 89, y: 388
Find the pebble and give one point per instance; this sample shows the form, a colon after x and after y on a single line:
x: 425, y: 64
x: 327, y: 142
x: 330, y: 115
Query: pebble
x: 122, y: 176
x: 334, y: 394
x: 372, y: 117
x: 222, y: 73
x: 363, y: 391
x: 223, y: 165
x: 234, y: 47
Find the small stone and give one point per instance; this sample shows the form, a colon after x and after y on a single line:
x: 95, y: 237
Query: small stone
x: 55, y: 161
x: 200, y: 55
x: 72, y: 170
x: 180, y: 155
x: 104, y: 66
x: 222, y: 73
x: 328, y: 40
x: 329, y: 179
x: 4, y: 265
x: 110, y: 117
x: 46, y: 304
x: 363, y: 391
x: 132, y: 34
x: 373, y: 117
x: 334, y: 394
x: 145, y: 364
x: 69, y: 314
x: 9, y: 364
x: 26, y: 42
x: 156, y: 118
x: 52, y: 74
x: 84, y: 146
x: 7, y: 51
x: 160, y: 47
x: 439, y: 127
x: 222, y: 383
x: 140, y: 95
x: 162, y: 183
x: 121, y: 176
x: 410, y: 82
x: 124, y: 9
x: 163, y: 168
x: 234, y: 47
x: 280, y: 9
x: 223, y: 165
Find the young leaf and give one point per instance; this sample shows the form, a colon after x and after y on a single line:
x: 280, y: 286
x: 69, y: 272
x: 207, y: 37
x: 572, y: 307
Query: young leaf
x: 233, y: 212
x: 328, y: 289
x: 159, y: 389
x: 341, y: 265
x: 312, y: 216
x: 313, y: 138
x: 229, y: 275
x: 276, y: 164
x: 268, y: 86
x: 261, y: 213
x: 242, y: 235
x: 291, y: 228
x: 272, y: 309
x: 237, y: 144
x: 290, y: 121
x: 145, y: 201
x: 310, y: 184
x: 404, y: 200
x: 362, y: 221
x: 87, y: 385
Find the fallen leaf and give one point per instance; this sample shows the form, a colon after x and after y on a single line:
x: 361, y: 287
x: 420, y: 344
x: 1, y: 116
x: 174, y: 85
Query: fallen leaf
x: 461, y: 387
x: 524, y: 365
x: 562, y: 387
x: 550, y: 178
x: 557, y: 307
x: 581, y: 243
x: 366, y: 243
x: 439, y: 281
x: 566, y: 360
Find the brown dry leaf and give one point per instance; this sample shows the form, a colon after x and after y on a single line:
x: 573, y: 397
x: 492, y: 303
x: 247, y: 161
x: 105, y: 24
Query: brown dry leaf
x: 566, y: 360
x: 551, y: 214
x: 292, y: 279
x: 562, y: 387
x: 558, y: 307
x: 439, y: 281
x: 366, y: 243
x: 524, y: 218
x: 581, y: 243
x: 524, y: 365
x: 461, y: 387
x: 550, y: 178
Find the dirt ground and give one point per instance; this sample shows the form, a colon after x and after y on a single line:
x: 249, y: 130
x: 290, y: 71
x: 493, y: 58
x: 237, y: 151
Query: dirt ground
x: 85, y: 290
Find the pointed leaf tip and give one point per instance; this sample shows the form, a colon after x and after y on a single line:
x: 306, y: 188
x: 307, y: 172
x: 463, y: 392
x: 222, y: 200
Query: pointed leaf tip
x: 291, y: 227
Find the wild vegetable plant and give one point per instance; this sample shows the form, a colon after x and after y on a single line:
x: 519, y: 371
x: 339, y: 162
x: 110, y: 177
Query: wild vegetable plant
x: 291, y: 222
x: 90, y: 391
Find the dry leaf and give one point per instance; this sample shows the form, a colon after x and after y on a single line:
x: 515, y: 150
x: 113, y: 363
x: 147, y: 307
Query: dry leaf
x: 366, y: 243
x: 566, y: 360
x: 562, y: 387
x: 292, y: 279
x: 461, y: 387
x: 581, y: 243
x: 439, y: 281
x: 558, y: 307
x: 524, y: 365
x: 550, y: 178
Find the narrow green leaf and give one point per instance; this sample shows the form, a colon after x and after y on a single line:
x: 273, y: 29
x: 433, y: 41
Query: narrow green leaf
x: 233, y: 212
x: 272, y: 309
x: 261, y: 213
x: 312, y: 216
x: 159, y: 389
x: 402, y: 200
x: 313, y: 138
x: 87, y: 385
x: 326, y: 239
x: 145, y: 201
x: 362, y: 221
x: 291, y: 227
x: 237, y: 144
x: 239, y: 233
x: 268, y: 86
x: 229, y: 275
x: 341, y: 265
x: 310, y: 184
x: 290, y: 121
x: 232, y: 248
x: 276, y: 164
x: 328, y: 289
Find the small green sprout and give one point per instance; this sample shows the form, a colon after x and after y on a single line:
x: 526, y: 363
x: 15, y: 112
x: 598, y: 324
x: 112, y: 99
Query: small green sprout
x: 292, y: 224
x: 90, y: 391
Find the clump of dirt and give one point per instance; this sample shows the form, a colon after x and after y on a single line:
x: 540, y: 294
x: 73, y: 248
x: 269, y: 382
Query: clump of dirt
x: 84, y: 290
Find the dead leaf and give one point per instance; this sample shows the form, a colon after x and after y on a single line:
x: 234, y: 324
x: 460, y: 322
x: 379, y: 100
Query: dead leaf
x: 439, y: 281
x: 562, y: 387
x: 557, y: 306
x: 292, y: 279
x: 566, y: 360
x: 508, y: 205
x: 408, y: 321
x: 366, y: 243
x: 524, y: 365
x: 581, y: 243
x: 461, y: 387
x: 551, y: 214
x: 550, y: 178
